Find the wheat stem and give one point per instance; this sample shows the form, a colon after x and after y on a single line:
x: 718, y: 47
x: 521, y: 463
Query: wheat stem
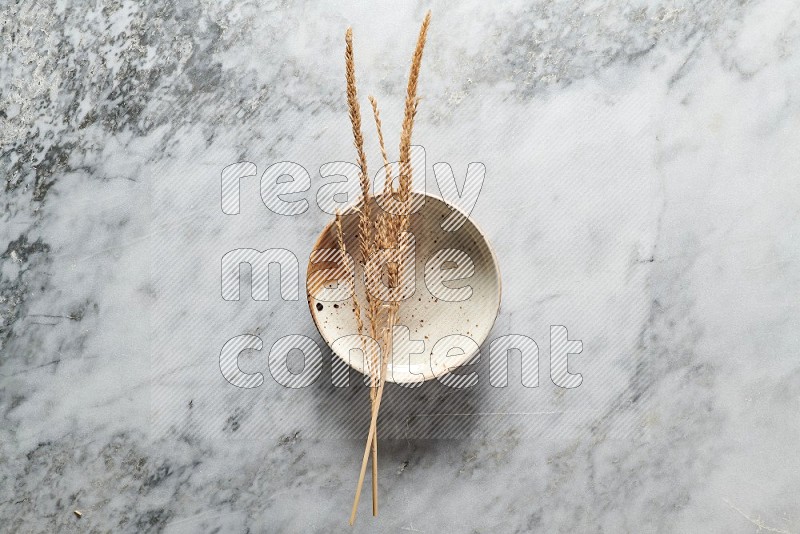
x: 374, y: 419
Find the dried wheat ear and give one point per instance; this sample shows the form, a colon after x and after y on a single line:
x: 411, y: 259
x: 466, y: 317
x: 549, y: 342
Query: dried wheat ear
x: 380, y: 232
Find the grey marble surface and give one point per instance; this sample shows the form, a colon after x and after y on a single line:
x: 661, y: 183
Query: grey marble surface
x: 641, y: 189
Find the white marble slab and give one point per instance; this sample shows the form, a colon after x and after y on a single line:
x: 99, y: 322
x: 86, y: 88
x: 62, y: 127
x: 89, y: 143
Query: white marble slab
x: 641, y: 189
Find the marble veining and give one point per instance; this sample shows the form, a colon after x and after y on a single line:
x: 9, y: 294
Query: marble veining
x: 641, y: 189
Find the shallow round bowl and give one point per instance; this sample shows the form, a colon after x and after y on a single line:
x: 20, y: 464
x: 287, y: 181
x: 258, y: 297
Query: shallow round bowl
x: 443, y: 331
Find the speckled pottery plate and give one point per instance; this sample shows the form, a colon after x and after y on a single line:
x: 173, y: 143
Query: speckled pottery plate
x: 439, y: 330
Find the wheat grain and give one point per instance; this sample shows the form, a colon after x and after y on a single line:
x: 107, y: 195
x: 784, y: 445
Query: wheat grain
x: 388, y: 187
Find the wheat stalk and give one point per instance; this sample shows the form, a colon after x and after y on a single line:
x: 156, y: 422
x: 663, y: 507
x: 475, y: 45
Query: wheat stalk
x: 366, y: 243
x: 388, y: 230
